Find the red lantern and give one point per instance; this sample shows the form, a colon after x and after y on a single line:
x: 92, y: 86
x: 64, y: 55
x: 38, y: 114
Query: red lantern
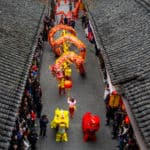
x: 127, y: 121
x: 68, y: 84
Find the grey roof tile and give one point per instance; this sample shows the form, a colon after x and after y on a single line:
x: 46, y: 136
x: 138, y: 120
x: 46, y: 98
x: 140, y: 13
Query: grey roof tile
x: 123, y: 28
x: 19, y: 23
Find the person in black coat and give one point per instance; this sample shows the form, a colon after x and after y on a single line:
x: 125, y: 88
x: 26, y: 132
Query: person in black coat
x: 72, y: 23
x: 66, y: 20
x: 33, y: 137
x: 43, y: 125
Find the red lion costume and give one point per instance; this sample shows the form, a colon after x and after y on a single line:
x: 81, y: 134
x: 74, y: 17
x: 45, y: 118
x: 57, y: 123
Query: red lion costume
x: 90, y: 124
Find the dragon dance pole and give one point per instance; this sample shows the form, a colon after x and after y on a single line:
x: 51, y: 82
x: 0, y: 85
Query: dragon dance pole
x: 68, y: 92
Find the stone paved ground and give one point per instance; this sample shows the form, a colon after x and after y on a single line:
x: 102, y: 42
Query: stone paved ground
x: 89, y: 95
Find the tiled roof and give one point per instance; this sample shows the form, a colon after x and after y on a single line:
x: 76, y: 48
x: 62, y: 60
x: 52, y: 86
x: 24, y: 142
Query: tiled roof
x: 19, y: 22
x: 123, y: 27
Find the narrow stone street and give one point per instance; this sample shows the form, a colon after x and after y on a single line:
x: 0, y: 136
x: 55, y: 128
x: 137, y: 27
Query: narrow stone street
x: 89, y: 94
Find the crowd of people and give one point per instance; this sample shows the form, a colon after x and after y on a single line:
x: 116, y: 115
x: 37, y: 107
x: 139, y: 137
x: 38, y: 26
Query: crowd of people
x: 88, y: 32
x: 48, y: 23
x: 69, y: 18
x: 118, y: 120
x: 25, y: 134
x: 67, y: 21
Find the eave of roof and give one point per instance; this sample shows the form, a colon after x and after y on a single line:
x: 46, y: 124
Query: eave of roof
x: 19, y: 23
x: 123, y: 29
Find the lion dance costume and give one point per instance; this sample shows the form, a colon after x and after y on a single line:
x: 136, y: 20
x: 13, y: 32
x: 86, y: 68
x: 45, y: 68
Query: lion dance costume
x: 90, y: 124
x: 61, y: 123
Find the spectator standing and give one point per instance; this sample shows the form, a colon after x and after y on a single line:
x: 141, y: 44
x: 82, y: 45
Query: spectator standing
x: 84, y: 20
x: 33, y: 117
x: 70, y: 5
x: 72, y: 23
x: 45, y: 33
x: 43, y: 125
x: 39, y: 108
x: 26, y: 143
x: 61, y: 20
x: 33, y: 137
x: 66, y: 20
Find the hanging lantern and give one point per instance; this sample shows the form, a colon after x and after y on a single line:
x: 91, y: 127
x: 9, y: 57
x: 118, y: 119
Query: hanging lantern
x: 68, y: 84
x: 127, y: 121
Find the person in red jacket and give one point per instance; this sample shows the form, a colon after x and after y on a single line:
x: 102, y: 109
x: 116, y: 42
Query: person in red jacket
x: 33, y: 117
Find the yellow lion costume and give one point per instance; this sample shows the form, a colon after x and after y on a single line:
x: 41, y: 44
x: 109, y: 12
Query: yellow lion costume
x: 61, y: 123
